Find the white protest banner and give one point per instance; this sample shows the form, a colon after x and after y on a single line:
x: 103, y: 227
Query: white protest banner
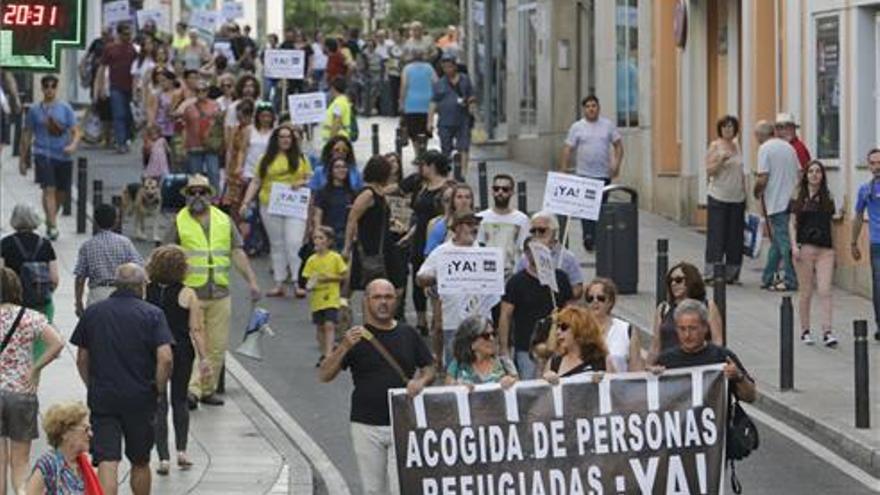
x: 470, y: 270
x: 284, y: 64
x: 307, y: 108
x: 287, y: 202
x: 630, y: 433
x: 159, y: 17
x: 545, y: 265
x: 205, y: 21
x: 116, y: 12
x: 233, y: 10
x: 571, y: 195
x: 224, y: 48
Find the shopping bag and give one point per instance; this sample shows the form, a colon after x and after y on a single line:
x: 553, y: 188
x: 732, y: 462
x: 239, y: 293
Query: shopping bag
x: 753, y: 235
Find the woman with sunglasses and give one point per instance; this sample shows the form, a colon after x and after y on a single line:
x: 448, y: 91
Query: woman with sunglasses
x: 683, y: 281
x: 580, y: 346
x: 283, y: 163
x: 622, y: 340
x: 475, y: 353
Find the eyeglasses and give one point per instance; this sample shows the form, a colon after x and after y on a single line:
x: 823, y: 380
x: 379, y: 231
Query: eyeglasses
x: 264, y: 105
x: 199, y: 192
x: 676, y: 280
x: 563, y: 327
x: 600, y: 297
x: 83, y: 428
x: 487, y: 335
x: 538, y: 230
x: 501, y: 188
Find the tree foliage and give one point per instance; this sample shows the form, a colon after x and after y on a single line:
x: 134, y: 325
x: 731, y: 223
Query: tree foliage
x: 318, y: 14
x: 432, y: 13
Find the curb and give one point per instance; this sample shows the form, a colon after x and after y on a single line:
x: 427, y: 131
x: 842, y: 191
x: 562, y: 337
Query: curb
x: 314, y: 458
x: 770, y: 401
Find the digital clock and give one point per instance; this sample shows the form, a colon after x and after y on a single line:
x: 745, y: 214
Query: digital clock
x: 23, y: 14
x: 33, y: 33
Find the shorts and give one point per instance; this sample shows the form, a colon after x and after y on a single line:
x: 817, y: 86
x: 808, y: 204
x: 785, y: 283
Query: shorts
x: 324, y: 315
x: 460, y: 134
x: 137, y: 429
x: 18, y: 416
x: 415, y: 124
x: 53, y: 173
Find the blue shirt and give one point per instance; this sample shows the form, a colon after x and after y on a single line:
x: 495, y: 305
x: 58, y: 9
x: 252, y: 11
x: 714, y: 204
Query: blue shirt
x: 452, y: 110
x: 436, y: 236
x: 37, y: 122
x: 869, y: 197
x: 419, y: 87
x: 121, y: 334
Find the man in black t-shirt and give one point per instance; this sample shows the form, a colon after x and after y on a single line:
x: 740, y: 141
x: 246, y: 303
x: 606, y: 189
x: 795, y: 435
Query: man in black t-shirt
x: 526, y: 301
x: 694, y: 349
x: 373, y: 376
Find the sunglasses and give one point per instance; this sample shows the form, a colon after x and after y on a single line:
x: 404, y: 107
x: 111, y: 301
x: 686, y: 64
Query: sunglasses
x: 600, y: 297
x: 501, y: 189
x: 563, y: 327
x: 676, y: 280
x: 199, y: 192
x: 538, y: 230
x: 487, y: 335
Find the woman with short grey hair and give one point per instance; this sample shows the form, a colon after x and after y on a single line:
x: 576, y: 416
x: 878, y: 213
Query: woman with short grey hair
x: 32, y: 257
x: 475, y: 352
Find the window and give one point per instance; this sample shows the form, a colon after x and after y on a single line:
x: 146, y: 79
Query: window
x: 828, y: 87
x: 528, y: 59
x: 627, y: 33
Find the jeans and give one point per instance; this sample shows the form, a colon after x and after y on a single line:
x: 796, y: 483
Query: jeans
x: 207, y: 164
x: 588, y: 227
x: 524, y: 365
x: 180, y: 375
x: 875, y: 271
x: 217, y: 313
x: 780, y: 251
x: 724, y: 236
x: 120, y: 108
x: 374, y: 449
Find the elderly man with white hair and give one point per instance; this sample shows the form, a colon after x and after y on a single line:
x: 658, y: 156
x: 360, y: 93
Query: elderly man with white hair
x: 544, y: 227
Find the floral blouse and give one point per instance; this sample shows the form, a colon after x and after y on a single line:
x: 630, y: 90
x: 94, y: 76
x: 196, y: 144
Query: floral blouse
x: 17, y: 359
x: 58, y: 477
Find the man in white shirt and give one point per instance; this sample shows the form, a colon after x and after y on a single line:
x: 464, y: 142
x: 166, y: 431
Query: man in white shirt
x: 455, y: 307
x: 593, y: 138
x: 778, y: 175
x: 504, y: 226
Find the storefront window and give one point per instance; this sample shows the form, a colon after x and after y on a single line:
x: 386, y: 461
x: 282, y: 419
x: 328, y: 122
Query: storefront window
x: 627, y: 31
x: 528, y: 57
x: 828, y: 87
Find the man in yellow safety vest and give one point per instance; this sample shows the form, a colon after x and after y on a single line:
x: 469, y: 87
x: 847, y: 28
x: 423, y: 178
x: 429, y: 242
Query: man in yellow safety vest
x: 212, y: 243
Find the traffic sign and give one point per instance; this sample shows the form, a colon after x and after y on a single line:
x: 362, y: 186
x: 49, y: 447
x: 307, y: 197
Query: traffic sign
x: 32, y: 33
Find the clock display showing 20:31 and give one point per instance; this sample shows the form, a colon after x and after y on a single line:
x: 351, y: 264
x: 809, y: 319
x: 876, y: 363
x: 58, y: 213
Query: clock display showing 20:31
x: 30, y: 14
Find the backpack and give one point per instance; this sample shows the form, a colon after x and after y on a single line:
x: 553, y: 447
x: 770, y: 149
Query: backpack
x: 742, y: 439
x: 36, y: 285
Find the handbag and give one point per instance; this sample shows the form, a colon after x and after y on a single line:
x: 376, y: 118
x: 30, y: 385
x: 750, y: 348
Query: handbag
x: 8, y: 337
x: 742, y: 439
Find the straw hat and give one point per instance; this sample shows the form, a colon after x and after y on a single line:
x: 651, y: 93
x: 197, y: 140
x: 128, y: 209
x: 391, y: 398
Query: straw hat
x: 197, y: 180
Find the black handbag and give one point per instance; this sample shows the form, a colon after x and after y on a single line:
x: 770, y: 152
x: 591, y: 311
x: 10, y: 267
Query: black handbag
x: 742, y: 439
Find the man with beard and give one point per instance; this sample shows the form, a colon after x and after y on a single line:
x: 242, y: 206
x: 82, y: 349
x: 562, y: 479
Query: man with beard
x: 502, y: 225
x: 211, y: 242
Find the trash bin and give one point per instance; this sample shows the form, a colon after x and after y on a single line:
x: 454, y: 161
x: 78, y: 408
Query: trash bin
x: 617, y: 238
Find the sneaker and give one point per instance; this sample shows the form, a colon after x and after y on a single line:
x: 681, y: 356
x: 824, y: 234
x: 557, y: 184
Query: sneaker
x: 829, y: 339
x: 52, y: 233
x: 807, y: 338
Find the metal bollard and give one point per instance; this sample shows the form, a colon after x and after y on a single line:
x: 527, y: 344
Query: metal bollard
x: 375, y: 128
x: 116, y: 201
x: 522, y: 200
x: 863, y: 408
x: 82, y: 189
x: 786, y: 344
x: 662, y: 267
x: 719, y: 295
x: 97, y: 199
x: 398, y: 143
x: 457, y: 173
x: 19, y: 127
x: 483, y: 185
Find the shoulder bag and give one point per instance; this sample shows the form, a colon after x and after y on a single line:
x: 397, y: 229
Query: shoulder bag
x: 8, y: 337
x: 742, y: 439
x: 387, y: 356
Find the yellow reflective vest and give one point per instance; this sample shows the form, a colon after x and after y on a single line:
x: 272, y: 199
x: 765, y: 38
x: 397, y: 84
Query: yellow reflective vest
x: 203, y: 255
x: 343, y: 106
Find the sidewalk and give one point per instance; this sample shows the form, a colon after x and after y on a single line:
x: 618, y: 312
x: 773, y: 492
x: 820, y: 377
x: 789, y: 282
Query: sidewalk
x: 235, y: 448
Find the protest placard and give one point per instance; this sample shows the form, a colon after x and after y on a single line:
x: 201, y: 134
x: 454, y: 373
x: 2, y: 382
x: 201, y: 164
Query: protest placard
x: 159, y: 17
x: 233, y: 10
x: 307, y: 108
x: 401, y: 213
x: 206, y: 21
x: 116, y: 12
x: 287, y: 202
x: 629, y: 433
x: 545, y: 265
x: 572, y: 195
x: 470, y: 270
x: 224, y: 48
x: 284, y: 64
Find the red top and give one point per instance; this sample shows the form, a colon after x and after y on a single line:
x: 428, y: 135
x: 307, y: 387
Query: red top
x: 118, y: 57
x: 803, y: 153
x: 197, y: 123
x: 335, y: 66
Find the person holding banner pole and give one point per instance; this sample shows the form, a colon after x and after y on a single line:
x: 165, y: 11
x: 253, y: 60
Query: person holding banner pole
x: 381, y: 355
x: 544, y: 227
x: 285, y: 164
x: 592, y: 139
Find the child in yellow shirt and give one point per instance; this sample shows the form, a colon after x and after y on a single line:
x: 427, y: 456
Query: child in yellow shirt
x: 325, y: 271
